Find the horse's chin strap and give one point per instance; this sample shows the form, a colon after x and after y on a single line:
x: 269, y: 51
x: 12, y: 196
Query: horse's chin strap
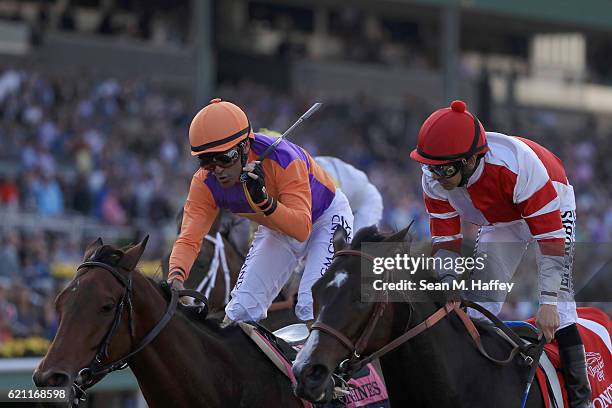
x: 89, y: 376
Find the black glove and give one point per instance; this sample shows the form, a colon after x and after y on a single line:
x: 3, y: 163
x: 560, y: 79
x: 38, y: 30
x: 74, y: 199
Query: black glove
x: 256, y: 188
x: 178, y: 285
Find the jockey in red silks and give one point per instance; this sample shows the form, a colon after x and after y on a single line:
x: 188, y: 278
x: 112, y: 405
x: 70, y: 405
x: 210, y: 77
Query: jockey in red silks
x: 295, y: 202
x: 517, y: 192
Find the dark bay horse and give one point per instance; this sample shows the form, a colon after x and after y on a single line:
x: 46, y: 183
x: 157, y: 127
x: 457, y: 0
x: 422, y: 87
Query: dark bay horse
x: 190, y: 362
x: 440, y: 367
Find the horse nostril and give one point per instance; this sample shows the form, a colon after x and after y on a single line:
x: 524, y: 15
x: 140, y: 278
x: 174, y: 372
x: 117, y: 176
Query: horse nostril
x: 315, y: 374
x: 38, y: 379
x: 51, y: 378
x: 59, y: 379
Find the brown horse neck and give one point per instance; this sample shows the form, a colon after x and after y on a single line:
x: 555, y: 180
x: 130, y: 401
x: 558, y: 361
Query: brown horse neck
x: 193, y: 363
x: 169, y: 366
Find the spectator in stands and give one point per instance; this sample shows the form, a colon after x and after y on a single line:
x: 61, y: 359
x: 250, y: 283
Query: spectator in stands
x: 9, y: 257
x: 8, y: 312
x: 66, y: 249
x: 9, y: 193
x: 27, y: 321
x: 106, y: 26
x: 49, y: 196
x: 66, y: 18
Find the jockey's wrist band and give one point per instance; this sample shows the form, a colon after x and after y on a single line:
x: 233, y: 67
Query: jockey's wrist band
x: 548, y: 298
x: 269, y: 206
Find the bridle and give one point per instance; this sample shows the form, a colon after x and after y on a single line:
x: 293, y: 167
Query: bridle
x: 355, y: 360
x: 95, y: 371
x: 361, y: 343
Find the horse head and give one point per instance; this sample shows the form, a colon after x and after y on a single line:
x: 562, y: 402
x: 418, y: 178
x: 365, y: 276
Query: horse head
x: 345, y: 325
x: 96, y: 322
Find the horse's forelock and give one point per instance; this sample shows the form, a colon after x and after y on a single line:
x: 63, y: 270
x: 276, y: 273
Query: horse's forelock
x: 107, y: 254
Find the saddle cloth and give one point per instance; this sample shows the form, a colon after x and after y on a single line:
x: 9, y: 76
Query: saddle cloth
x: 367, y: 391
x: 595, y: 329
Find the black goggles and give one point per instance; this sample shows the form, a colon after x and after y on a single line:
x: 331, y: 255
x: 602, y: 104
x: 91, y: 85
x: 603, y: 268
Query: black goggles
x: 225, y: 159
x: 444, y: 170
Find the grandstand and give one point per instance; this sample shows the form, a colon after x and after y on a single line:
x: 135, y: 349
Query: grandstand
x: 96, y: 97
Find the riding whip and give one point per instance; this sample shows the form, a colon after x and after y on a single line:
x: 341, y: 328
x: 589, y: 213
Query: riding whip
x: 315, y: 107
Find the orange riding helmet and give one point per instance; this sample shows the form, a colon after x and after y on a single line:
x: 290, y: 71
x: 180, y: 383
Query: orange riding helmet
x: 450, y: 134
x: 218, y: 127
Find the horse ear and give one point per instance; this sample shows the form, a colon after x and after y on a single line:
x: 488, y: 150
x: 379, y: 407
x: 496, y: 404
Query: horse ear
x: 132, y: 256
x: 91, y: 248
x: 402, y: 235
x: 340, y: 237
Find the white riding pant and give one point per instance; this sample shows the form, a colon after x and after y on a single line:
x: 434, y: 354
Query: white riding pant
x: 370, y: 212
x: 273, y: 257
x: 505, y: 247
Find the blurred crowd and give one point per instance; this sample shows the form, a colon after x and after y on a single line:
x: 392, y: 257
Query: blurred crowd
x: 117, y: 152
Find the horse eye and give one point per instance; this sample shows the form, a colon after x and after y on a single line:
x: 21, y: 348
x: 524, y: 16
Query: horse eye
x: 107, y: 308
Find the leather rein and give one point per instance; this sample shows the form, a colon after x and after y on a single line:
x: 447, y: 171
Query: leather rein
x: 356, y: 362
x: 96, y: 371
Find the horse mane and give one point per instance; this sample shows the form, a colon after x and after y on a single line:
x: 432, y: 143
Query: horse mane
x: 111, y: 255
x: 191, y: 314
x: 372, y: 234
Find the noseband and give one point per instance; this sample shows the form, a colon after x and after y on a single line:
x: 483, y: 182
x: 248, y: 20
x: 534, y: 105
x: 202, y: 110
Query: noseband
x: 95, y: 371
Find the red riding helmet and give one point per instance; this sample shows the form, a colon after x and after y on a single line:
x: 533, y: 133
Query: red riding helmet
x: 448, y: 135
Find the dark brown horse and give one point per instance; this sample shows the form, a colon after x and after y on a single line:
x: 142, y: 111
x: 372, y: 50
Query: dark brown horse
x: 439, y: 367
x: 110, y: 311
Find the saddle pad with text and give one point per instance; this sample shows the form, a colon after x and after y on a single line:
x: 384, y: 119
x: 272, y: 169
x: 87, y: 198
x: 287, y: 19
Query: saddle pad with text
x: 595, y: 329
x: 368, y: 391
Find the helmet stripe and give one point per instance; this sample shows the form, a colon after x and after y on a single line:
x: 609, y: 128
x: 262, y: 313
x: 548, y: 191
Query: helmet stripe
x: 216, y: 143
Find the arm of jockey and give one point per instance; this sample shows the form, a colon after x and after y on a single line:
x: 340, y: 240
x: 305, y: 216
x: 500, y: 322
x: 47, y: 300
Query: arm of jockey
x: 538, y: 203
x: 293, y: 212
x: 445, y: 228
x: 200, y: 212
